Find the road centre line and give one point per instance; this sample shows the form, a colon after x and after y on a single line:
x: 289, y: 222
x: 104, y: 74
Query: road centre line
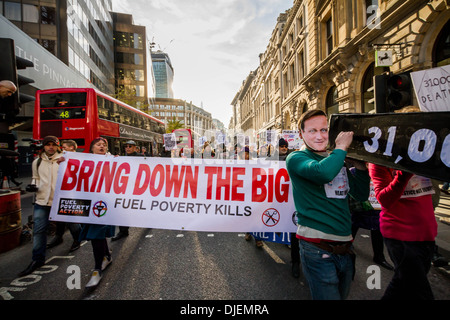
x: 273, y: 255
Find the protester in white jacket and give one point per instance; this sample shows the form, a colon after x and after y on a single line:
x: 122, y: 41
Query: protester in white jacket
x: 45, y: 171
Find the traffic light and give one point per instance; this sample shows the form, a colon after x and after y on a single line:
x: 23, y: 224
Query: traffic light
x: 392, y: 92
x: 399, y: 91
x: 9, y: 65
x: 380, y: 93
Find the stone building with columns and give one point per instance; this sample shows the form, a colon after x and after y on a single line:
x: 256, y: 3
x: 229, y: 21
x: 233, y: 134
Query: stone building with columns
x: 321, y: 54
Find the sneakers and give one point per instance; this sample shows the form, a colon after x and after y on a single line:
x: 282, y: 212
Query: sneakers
x: 106, y: 262
x: 97, y: 275
x: 95, y: 279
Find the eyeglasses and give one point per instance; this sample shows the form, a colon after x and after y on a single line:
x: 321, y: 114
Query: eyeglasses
x: 129, y: 146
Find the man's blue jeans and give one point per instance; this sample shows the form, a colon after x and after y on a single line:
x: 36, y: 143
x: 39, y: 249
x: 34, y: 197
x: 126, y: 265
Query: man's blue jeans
x: 40, y: 228
x: 329, y: 275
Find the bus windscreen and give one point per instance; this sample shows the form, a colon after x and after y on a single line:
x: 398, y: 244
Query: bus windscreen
x: 64, y: 100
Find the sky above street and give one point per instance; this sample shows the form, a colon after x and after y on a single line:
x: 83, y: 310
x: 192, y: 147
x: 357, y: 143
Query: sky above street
x: 213, y: 44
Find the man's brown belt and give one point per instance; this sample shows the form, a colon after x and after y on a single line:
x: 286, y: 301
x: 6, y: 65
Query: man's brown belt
x: 335, y: 247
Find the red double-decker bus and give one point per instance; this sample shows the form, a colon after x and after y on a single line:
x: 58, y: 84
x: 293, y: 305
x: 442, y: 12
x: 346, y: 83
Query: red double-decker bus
x: 83, y: 114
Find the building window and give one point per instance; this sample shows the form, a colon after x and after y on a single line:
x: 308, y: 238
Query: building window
x: 71, y: 57
x: 48, y: 15
x: 366, y: 94
x: 130, y: 74
x: 329, y: 35
x: 301, y: 65
x: 129, y: 58
x: 300, y: 22
x: 138, y: 75
x: 332, y: 104
x: 128, y: 40
x: 13, y: 11
x: 293, y: 78
x: 50, y: 45
x: 138, y: 90
x: 30, y: 13
x: 441, y: 56
x: 70, y: 25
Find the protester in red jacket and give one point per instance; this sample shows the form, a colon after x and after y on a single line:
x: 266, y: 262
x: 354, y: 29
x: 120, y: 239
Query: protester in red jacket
x: 409, y: 228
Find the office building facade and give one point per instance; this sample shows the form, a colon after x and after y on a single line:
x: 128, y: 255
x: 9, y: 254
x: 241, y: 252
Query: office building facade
x: 322, y: 55
x: 164, y: 73
x: 78, y: 32
x: 198, y: 120
x: 134, y: 80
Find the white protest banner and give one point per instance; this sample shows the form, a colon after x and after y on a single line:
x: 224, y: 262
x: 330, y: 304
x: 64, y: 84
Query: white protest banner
x: 177, y: 194
x: 432, y: 87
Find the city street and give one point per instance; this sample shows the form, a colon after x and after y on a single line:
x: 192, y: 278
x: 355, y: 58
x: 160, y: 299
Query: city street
x: 196, y: 122
x: 153, y: 264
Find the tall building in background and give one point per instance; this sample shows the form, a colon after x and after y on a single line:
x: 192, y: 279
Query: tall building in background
x: 163, y: 71
x: 90, y: 40
x: 133, y: 66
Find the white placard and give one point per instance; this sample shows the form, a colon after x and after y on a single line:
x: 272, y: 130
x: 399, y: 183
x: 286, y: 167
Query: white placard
x: 432, y: 87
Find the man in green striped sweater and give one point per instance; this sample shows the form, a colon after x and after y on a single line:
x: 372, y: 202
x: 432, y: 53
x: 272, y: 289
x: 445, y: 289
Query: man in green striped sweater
x: 321, y: 184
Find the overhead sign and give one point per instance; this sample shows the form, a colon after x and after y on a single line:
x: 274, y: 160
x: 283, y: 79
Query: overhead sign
x: 176, y: 194
x: 432, y: 87
x: 414, y: 142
